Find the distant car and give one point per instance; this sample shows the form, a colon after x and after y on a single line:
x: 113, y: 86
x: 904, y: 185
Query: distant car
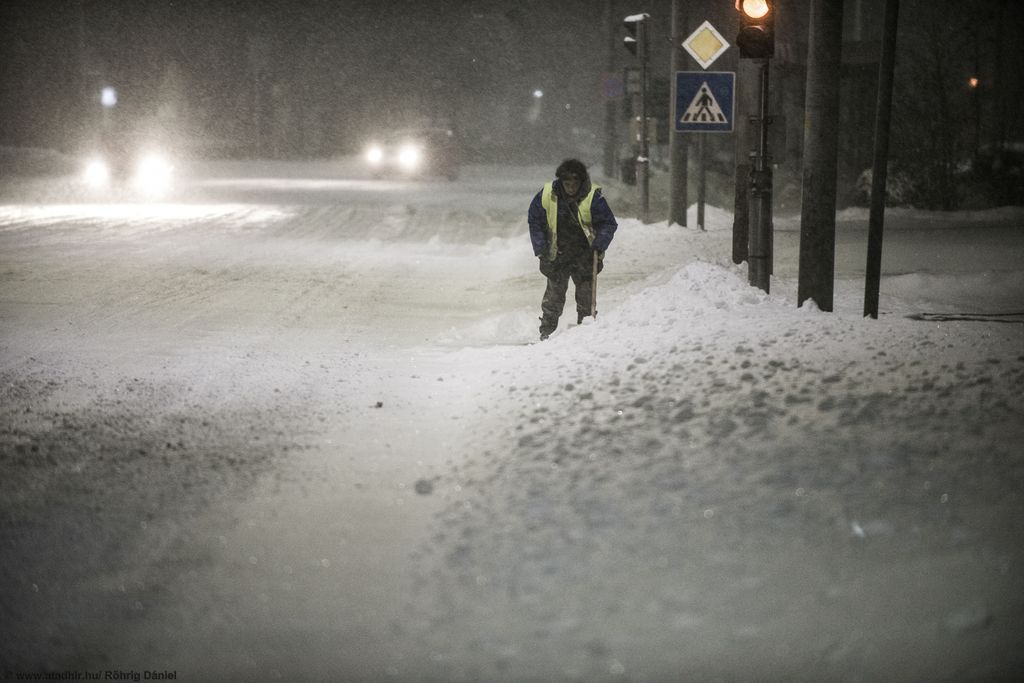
x: 415, y: 153
x: 150, y: 174
x: 122, y: 165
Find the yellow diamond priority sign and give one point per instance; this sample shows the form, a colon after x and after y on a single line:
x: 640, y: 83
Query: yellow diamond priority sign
x: 705, y: 44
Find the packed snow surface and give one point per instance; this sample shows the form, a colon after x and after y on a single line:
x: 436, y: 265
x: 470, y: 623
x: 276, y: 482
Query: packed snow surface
x: 295, y: 424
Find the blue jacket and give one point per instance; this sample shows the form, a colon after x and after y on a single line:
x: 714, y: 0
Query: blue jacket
x: 601, y: 215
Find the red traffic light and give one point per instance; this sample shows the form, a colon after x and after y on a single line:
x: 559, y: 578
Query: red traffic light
x: 755, y: 9
x: 756, y: 39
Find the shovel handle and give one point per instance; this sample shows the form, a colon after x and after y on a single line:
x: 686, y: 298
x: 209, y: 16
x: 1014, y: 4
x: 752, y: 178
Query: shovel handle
x: 593, y: 288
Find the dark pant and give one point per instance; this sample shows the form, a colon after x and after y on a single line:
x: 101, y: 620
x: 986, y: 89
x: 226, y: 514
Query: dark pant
x: 558, y: 272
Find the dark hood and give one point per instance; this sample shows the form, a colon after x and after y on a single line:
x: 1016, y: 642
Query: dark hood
x: 574, y: 167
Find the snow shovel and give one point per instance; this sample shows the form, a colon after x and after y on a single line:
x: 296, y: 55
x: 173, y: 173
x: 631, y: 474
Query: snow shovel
x: 593, y: 288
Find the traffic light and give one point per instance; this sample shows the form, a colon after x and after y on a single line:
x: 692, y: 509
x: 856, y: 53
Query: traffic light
x: 636, y: 41
x: 756, y: 39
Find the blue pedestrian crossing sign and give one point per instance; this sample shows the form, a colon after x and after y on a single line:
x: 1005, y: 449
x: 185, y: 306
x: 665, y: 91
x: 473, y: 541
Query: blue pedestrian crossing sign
x: 705, y: 101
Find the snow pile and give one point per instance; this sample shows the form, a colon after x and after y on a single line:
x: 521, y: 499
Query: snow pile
x: 703, y: 413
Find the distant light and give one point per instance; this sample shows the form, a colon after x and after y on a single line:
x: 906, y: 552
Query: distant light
x: 538, y: 93
x: 153, y: 174
x: 96, y: 173
x: 568, y: 106
x: 375, y: 154
x: 409, y: 157
x: 755, y: 9
x: 108, y: 96
x: 973, y: 81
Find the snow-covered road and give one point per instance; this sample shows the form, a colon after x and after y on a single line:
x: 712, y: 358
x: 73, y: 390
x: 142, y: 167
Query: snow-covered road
x: 287, y: 425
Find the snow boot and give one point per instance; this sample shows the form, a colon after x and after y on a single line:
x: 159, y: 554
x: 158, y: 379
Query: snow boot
x: 547, y: 328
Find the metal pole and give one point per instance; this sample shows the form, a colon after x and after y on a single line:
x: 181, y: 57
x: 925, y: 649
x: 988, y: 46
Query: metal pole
x: 759, y: 265
x: 643, y: 161
x: 747, y: 102
x: 763, y: 119
x: 611, y: 142
x: 593, y: 289
x: 702, y: 179
x: 879, y: 166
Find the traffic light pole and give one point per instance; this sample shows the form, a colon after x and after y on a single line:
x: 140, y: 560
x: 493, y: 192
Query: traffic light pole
x: 611, y: 142
x: 638, y: 25
x: 643, y: 162
x: 759, y: 250
x: 756, y: 41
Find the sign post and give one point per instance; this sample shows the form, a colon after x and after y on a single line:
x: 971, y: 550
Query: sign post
x: 705, y: 44
x: 704, y: 100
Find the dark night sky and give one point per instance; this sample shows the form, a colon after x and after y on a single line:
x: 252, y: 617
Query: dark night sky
x: 332, y: 66
x: 316, y: 77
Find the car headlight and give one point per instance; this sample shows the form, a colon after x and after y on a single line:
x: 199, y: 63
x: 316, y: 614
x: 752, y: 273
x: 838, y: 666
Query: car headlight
x: 153, y: 174
x: 374, y: 154
x: 409, y: 157
x: 96, y: 173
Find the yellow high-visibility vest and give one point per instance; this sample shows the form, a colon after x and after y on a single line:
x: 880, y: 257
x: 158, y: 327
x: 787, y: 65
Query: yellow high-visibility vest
x: 549, y: 200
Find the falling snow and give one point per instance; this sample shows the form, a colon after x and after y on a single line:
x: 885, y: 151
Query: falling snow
x: 295, y: 424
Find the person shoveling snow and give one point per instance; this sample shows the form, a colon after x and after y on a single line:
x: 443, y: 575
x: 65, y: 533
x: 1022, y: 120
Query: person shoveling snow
x: 571, y: 226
